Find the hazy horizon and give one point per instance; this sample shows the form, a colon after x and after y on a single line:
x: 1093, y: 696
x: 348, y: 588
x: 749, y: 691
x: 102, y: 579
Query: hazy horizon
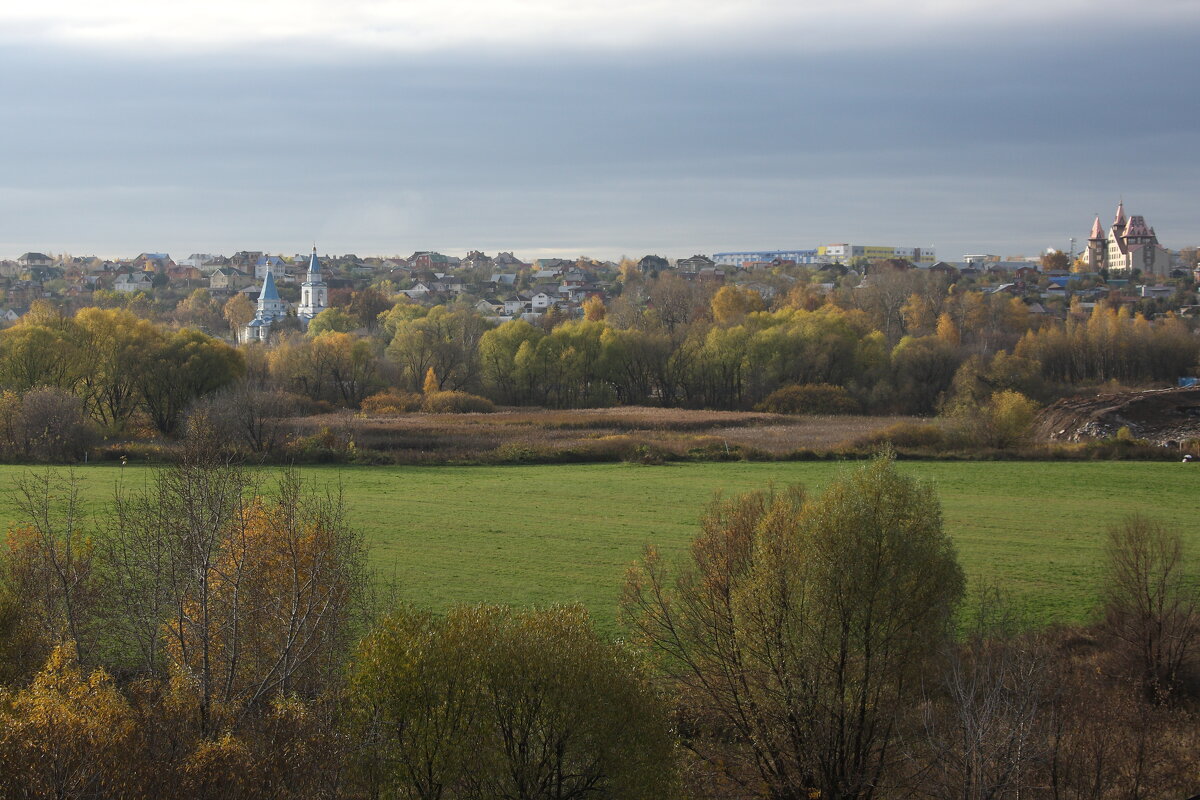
x: 587, y: 128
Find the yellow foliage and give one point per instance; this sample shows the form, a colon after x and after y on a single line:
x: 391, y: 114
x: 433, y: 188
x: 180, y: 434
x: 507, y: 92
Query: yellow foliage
x: 947, y: 331
x: 730, y: 304
x: 67, y: 735
x: 431, y: 384
x: 593, y: 309
x: 256, y: 625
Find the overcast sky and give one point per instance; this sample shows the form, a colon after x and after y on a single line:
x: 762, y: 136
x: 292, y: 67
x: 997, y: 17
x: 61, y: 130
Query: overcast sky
x: 569, y: 127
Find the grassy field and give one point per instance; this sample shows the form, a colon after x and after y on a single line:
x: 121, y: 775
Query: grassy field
x: 544, y: 534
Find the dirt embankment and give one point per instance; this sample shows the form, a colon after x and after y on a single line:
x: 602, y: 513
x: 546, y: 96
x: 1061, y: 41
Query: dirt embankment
x: 1162, y: 416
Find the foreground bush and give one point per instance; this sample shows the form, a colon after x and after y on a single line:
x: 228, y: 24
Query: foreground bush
x: 457, y: 403
x: 488, y: 702
x: 811, y: 398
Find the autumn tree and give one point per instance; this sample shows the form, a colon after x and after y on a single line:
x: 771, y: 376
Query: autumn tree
x: 731, y: 303
x: 593, y: 309
x: 1055, y: 261
x: 244, y: 595
x: 119, y: 344
x: 67, y: 735
x: 798, y: 632
x: 676, y: 302
x: 367, y: 305
x: 351, y: 363
x: 249, y: 416
x: 201, y: 311
x: 985, y: 721
x: 43, y: 349
x: 238, y: 311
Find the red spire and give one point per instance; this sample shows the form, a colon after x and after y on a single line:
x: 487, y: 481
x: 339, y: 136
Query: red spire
x: 1120, y: 220
x: 1097, y: 231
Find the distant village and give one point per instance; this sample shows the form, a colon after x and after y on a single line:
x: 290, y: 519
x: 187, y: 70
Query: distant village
x: 1121, y: 263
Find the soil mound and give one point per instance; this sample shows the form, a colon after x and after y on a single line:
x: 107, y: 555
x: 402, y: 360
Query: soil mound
x: 1162, y: 416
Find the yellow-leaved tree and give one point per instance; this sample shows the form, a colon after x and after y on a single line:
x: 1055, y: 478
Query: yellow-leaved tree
x: 67, y: 735
x: 431, y: 384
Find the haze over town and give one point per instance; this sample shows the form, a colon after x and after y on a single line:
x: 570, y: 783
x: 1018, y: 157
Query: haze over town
x: 592, y: 128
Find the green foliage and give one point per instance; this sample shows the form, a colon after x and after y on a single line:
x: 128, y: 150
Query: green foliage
x: 489, y: 702
x: 798, y: 632
x: 444, y: 339
x: 813, y: 398
x: 923, y: 370
x: 333, y: 320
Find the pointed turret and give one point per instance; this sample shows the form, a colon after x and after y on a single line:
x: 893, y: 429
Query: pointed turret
x: 1119, y: 221
x: 1097, y: 231
x: 314, y: 266
x: 268, y: 293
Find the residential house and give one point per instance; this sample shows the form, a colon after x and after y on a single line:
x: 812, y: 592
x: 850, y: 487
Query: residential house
x: 274, y: 263
x: 27, y: 260
x: 476, y: 260
x: 542, y: 299
x: 652, y: 265
x: 245, y: 260
x: 228, y: 279
x: 429, y: 260
x: 489, y: 306
x: 517, y: 305
x: 132, y: 282
x: 694, y: 264
x: 508, y: 260
x: 153, y: 262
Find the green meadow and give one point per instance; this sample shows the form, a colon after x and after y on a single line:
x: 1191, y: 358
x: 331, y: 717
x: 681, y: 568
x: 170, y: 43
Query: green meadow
x: 566, y: 533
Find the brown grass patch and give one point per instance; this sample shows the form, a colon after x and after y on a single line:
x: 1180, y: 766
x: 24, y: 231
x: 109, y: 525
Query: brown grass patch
x: 590, y: 434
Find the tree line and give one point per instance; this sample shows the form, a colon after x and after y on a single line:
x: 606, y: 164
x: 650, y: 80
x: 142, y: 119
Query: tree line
x: 215, y: 634
x: 904, y: 343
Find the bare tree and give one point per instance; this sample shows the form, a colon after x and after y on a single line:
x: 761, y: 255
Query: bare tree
x: 1151, y: 608
x: 982, y: 724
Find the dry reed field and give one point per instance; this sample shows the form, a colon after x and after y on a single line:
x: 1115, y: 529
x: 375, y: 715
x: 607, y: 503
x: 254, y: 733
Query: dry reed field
x: 589, y: 434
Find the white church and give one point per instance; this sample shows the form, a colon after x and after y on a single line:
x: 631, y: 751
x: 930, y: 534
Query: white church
x: 314, y: 298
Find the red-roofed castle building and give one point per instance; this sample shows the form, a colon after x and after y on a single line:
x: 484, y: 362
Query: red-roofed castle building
x: 1129, y: 244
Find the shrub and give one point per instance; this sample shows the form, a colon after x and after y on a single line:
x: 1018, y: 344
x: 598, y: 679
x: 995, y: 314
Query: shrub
x: 907, y: 435
x: 391, y: 403
x: 457, y: 403
x: 1003, y: 421
x: 243, y: 416
x: 810, y: 398
x: 45, y: 425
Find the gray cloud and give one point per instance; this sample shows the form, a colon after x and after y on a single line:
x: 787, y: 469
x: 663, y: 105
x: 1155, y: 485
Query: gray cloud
x: 981, y: 144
